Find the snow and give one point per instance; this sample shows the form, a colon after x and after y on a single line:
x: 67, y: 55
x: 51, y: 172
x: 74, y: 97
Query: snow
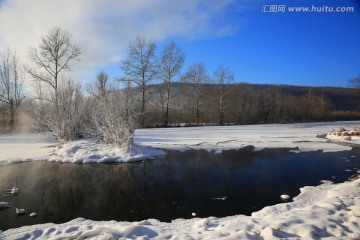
x: 24, y: 147
x: 285, y: 197
x: 300, y: 137
x: 326, y: 211
x: 344, y: 135
x: 147, y: 142
x: 88, y: 151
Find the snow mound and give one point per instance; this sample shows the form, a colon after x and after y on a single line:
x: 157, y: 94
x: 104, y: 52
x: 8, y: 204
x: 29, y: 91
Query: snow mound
x: 285, y: 197
x: 343, y: 135
x: 88, y: 151
x: 326, y: 211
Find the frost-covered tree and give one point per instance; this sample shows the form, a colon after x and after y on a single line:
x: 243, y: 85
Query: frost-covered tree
x: 223, y: 77
x: 140, y: 68
x: 60, y: 101
x: 171, y: 62
x: 67, y: 121
x: 11, y: 83
x: 110, y: 117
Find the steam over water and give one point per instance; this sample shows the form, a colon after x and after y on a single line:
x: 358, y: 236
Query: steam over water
x: 201, y: 182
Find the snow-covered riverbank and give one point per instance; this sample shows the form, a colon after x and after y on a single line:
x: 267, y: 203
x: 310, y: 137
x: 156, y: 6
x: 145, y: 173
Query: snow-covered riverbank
x: 325, y: 211
x: 302, y: 136
x: 299, y: 137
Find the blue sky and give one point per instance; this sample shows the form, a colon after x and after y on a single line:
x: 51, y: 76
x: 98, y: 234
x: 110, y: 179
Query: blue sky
x: 313, y: 49
x: 319, y: 49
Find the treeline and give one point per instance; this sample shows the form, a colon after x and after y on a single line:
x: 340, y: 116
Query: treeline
x: 154, y: 90
x: 245, y: 103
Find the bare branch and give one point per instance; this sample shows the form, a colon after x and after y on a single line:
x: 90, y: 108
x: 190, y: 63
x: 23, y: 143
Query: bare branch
x: 53, y: 55
x: 11, y: 82
x: 140, y: 67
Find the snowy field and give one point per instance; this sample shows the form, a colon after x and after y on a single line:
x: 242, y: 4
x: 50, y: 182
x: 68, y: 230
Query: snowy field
x: 302, y: 136
x: 299, y: 137
x: 326, y: 211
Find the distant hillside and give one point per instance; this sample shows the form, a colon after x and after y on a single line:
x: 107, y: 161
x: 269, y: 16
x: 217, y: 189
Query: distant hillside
x: 245, y: 103
x: 342, y: 99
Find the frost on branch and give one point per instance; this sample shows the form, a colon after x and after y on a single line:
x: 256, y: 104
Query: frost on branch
x: 64, y: 114
x: 111, y: 120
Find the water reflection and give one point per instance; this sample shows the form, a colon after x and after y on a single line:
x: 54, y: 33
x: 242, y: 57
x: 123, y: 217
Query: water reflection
x: 168, y: 188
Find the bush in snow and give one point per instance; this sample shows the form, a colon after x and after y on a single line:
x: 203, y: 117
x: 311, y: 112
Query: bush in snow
x: 110, y: 118
x: 64, y: 114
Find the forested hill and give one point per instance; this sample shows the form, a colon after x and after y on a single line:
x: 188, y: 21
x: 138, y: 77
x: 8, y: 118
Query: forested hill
x: 342, y: 99
x: 245, y: 103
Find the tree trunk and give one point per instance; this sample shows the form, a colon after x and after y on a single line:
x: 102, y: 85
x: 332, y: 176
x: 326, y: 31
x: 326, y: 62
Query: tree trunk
x: 12, y: 115
x: 167, y: 114
x: 167, y: 106
x: 221, y: 110
x: 143, y: 108
x: 197, y: 111
x: 221, y: 118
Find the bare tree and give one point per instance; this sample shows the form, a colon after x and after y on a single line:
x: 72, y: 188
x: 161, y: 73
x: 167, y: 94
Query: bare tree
x: 60, y: 103
x: 140, y: 68
x: 129, y: 99
x: 309, y: 102
x: 100, y: 87
x: 241, y: 95
x: 54, y: 55
x: 324, y: 105
x: 355, y: 83
x: 11, y: 82
x: 196, y: 77
x: 264, y: 106
x: 278, y: 104
x: 223, y: 77
x: 172, y: 61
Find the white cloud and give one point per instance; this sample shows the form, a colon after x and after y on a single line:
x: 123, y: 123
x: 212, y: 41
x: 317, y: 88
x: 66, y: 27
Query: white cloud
x: 104, y: 28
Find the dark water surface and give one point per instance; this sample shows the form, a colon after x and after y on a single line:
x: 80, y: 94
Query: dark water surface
x: 201, y: 182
